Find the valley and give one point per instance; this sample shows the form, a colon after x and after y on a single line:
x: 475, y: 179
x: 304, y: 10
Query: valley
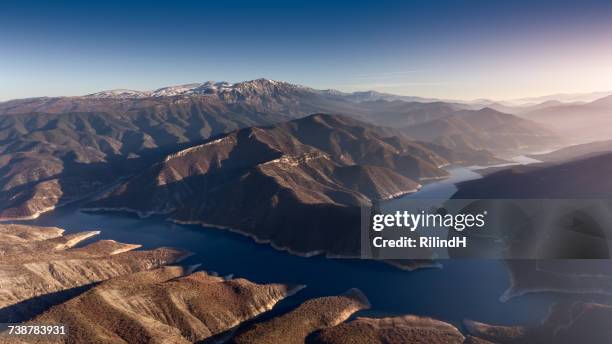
x: 262, y: 182
x: 390, y: 291
x: 56, y: 150
x: 306, y: 172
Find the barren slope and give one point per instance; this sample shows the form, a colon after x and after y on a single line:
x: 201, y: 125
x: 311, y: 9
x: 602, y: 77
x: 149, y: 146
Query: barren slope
x: 311, y: 316
x: 485, y: 129
x: 160, y: 306
x: 404, y: 329
x: 299, y: 185
x: 38, y: 264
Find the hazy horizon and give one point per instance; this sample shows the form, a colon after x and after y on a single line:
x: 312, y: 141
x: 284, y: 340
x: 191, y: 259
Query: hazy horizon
x: 444, y: 49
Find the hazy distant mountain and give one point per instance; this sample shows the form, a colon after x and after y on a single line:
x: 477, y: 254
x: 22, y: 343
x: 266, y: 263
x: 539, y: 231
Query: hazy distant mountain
x: 578, y: 122
x: 602, y: 102
x: 576, y: 151
x: 400, y: 114
x: 299, y: 184
x: 485, y: 128
x: 370, y: 96
x: 525, y: 108
x: 561, y: 97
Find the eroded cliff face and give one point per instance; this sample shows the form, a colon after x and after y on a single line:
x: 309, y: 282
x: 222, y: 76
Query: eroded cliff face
x: 38, y: 264
x: 402, y: 329
x: 165, y: 305
x: 311, y: 316
x: 108, y: 292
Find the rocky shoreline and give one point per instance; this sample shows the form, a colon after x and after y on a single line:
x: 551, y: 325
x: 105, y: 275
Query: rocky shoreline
x: 111, y: 292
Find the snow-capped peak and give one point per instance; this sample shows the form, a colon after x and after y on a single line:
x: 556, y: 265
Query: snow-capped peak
x: 205, y: 88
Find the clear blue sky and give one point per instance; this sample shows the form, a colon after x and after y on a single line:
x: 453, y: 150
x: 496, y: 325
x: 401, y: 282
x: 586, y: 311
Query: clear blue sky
x: 448, y: 49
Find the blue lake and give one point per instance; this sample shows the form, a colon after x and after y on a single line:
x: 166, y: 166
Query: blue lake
x: 461, y: 289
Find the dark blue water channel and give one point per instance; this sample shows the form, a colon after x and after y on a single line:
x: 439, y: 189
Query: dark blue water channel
x: 458, y: 290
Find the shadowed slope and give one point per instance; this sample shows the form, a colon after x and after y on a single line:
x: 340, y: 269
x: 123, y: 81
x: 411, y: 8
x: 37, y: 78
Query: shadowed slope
x: 566, y: 323
x: 582, y: 178
x: 485, y: 129
x: 57, y: 150
x: 576, y: 152
x: 299, y: 185
x: 160, y: 306
x: 311, y: 316
x: 578, y: 122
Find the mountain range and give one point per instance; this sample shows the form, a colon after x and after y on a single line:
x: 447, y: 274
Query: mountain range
x: 581, y: 123
x: 287, y: 184
x: 58, y: 150
x: 485, y: 129
x: 286, y: 165
x: 563, y: 97
x: 574, y: 152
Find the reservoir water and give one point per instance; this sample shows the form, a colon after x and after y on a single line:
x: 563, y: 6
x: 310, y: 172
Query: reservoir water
x: 460, y: 289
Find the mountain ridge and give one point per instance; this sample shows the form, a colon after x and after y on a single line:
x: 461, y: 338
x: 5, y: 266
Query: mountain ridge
x: 299, y: 185
x: 56, y: 150
x: 476, y: 129
x: 583, y: 123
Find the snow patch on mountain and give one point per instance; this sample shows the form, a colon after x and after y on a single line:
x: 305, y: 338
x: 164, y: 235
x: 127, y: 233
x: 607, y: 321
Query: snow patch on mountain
x: 246, y: 89
x: 205, y: 88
